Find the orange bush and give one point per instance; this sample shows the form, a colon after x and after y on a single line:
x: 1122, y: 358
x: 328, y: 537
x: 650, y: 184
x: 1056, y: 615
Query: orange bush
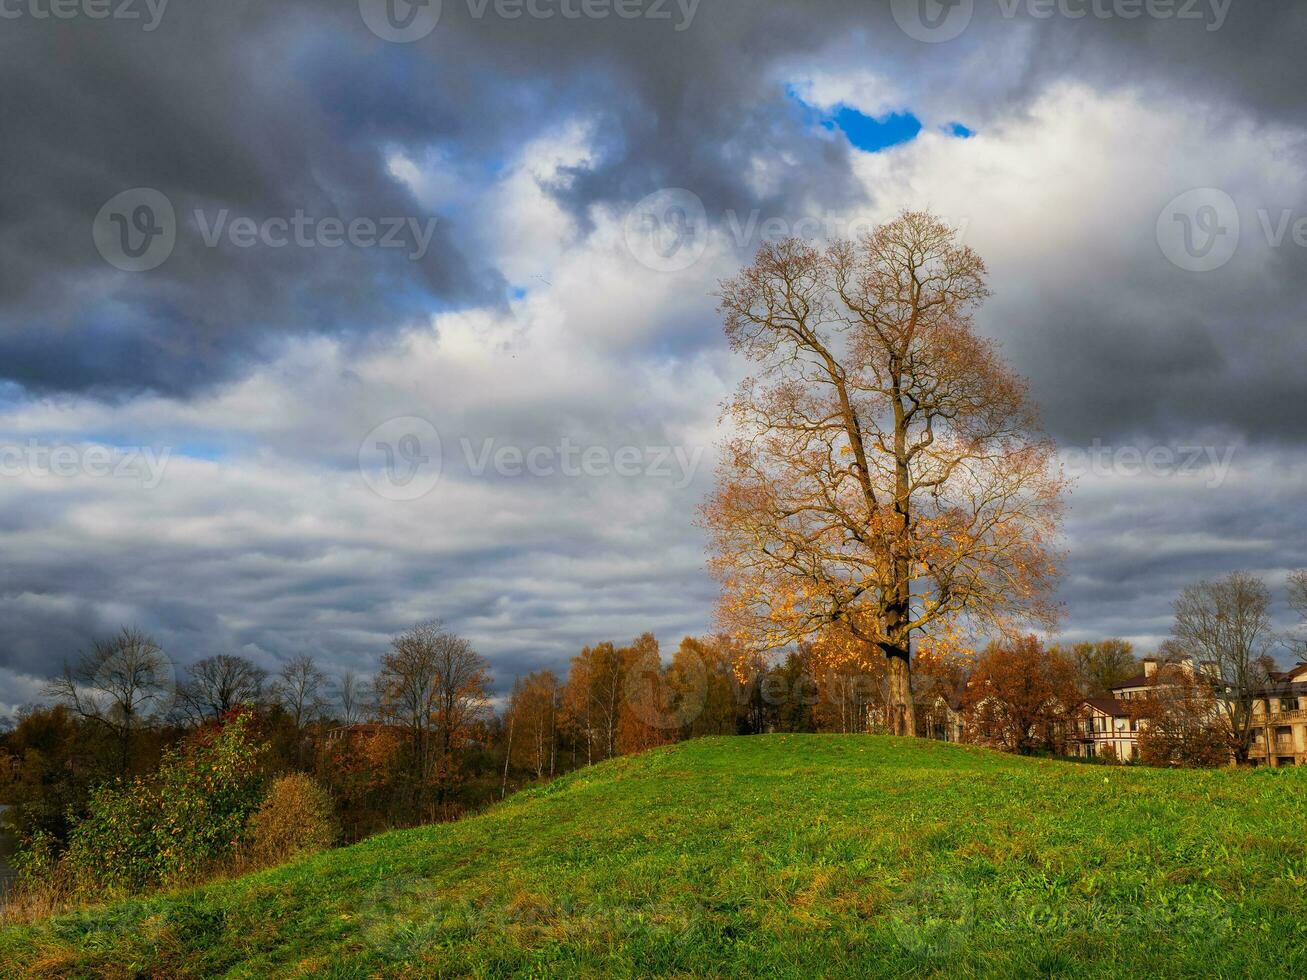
x: 296, y: 817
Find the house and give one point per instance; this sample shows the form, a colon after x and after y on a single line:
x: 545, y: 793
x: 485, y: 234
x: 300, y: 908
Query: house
x: 940, y: 717
x: 1279, y: 734
x: 1109, y: 726
x: 1280, y: 720
x: 1106, y: 728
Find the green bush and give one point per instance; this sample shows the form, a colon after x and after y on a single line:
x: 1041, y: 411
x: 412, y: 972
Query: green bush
x: 296, y: 817
x: 173, y: 826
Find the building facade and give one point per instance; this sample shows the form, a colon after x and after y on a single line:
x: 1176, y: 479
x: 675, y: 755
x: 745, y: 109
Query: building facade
x: 1108, y: 727
x: 1105, y: 729
x: 1280, y: 721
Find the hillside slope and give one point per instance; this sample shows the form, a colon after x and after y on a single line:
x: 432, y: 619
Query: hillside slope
x: 778, y: 855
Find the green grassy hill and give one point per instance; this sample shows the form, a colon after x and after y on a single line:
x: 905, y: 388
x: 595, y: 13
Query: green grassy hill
x: 781, y: 856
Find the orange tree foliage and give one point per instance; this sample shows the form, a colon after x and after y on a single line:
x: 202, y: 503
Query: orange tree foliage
x: 885, y: 471
x: 1021, y: 697
x: 1181, y: 721
x: 532, y: 717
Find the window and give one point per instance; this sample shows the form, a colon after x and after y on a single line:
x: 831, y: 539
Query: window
x: 1284, y: 736
x: 1288, y: 704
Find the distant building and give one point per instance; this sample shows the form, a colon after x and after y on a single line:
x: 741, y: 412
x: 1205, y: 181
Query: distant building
x: 348, y: 733
x: 1280, y: 720
x: 940, y: 717
x: 1108, y: 727
x: 1105, y: 728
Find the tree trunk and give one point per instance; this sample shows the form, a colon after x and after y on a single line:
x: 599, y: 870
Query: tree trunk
x: 508, y: 754
x: 900, y: 715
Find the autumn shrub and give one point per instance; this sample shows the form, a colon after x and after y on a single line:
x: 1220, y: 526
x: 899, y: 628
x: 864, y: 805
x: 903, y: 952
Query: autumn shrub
x: 296, y: 817
x: 40, y: 887
x: 173, y: 826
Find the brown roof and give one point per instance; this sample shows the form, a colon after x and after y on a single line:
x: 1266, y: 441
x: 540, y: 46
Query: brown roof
x: 1139, y: 680
x: 1110, y: 706
x: 366, y: 728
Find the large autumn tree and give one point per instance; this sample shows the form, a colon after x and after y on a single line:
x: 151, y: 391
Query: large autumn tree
x: 885, y: 471
x: 1021, y: 697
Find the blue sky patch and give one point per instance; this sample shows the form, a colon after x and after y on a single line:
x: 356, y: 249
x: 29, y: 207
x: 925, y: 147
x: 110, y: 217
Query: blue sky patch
x: 872, y: 135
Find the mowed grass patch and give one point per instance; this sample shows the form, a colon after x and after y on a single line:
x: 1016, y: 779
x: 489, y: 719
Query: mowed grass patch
x: 785, y: 855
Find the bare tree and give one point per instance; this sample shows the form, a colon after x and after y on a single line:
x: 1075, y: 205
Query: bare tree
x: 218, y: 684
x: 118, y: 683
x: 886, y: 472
x: 435, y: 685
x: 1224, y: 626
x: 462, y: 701
x: 1298, y: 601
x: 351, y: 697
x: 1103, y: 664
x: 300, y: 687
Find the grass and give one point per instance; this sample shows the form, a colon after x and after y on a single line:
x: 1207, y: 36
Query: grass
x: 785, y: 855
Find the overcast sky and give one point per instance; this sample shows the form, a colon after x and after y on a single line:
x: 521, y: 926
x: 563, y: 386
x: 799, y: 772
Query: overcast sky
x: 320, y: 319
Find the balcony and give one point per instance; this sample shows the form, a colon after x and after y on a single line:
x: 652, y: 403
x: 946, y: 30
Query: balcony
x: 1258, y: 748
x: 1282, y: 717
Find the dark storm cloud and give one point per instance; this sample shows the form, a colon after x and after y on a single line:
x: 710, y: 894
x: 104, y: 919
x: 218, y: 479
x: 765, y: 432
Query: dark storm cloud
x: 264, y: 109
